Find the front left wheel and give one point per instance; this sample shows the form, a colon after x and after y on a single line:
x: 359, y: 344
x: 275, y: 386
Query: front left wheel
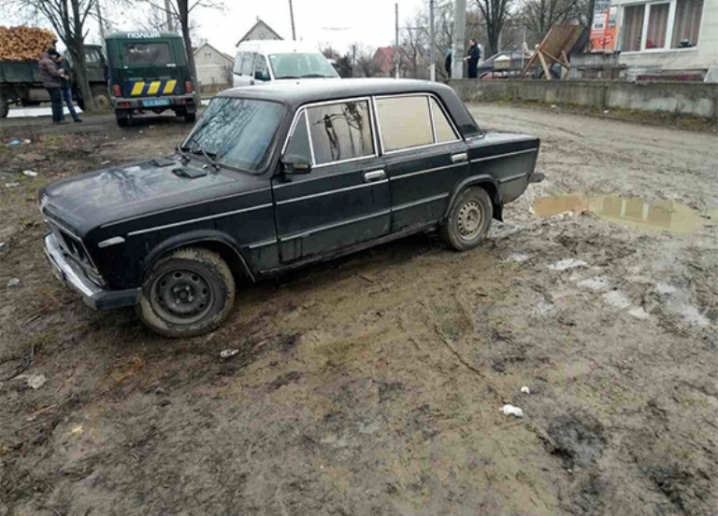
x: 188, y: 293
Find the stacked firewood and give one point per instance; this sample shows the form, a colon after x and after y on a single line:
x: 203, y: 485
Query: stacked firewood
x: 24, y: 43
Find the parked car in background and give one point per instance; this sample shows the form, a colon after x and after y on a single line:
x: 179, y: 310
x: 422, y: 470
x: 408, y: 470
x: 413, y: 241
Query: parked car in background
x: 149, y: 71
x: 271, y: 179
x: 262, y: 62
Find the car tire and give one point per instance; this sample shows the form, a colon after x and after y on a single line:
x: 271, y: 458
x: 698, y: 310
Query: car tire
x: 123, y: 119
x: 186, y: 294
x: 190, y: 117
x: 4, y: 107
x: 469, y: 219
x: 101, y: 97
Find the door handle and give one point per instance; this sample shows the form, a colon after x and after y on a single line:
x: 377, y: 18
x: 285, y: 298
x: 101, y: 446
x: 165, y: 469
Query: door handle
x: 376, y: 175
x: 460, y: 158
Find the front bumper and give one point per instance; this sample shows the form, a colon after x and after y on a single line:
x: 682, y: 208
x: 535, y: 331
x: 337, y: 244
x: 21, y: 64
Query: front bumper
x: 178, y: 101
x: 72, y: 276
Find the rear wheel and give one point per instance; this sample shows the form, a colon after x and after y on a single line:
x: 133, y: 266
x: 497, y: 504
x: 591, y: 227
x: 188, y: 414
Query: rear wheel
x: 101, y: 97
x: 469, y: 219
x: 123, y: 118
x: 4, y: 107
x: 188, y: 293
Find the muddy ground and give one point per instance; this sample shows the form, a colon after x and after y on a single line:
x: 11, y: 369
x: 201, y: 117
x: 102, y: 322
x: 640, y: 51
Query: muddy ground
x: 373, y: 385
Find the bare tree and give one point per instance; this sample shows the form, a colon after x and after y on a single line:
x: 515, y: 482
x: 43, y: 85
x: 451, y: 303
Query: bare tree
x: 181, y: 11
x: 68, y: 18
x: 414, y: 46
x: 365, y: 66
x: 495, y: 14
x: 540, y: 15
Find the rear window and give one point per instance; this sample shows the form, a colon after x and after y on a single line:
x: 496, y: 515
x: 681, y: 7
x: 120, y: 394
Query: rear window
x: 146, y: 54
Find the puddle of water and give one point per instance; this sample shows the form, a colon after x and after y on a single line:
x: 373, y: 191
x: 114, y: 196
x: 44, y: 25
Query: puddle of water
x: 661, y: 216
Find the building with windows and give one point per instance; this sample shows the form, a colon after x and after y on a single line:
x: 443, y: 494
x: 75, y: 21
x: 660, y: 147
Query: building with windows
x: 667, y: 34
x: 214, y: 68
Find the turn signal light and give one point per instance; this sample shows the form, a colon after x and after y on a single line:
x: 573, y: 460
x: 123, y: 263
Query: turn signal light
x: 188, y: 87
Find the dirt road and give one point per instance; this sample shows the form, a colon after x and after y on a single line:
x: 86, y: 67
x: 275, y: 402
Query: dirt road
x: 373, y: 385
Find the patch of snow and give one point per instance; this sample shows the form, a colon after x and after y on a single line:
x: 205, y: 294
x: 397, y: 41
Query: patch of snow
x: 569, y: 263
x: 617, y: 299
x: 595, y: 284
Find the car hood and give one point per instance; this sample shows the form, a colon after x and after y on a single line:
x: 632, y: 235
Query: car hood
x: 87, y: 201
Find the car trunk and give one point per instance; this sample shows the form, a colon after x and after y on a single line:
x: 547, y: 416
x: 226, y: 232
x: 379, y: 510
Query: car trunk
x: 157, y: 73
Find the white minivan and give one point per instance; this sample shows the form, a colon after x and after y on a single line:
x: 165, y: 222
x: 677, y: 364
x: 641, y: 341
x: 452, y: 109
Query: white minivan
x: 259, y: 62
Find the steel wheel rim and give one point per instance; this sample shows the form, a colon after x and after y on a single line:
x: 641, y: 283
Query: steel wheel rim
x: 470, y: 220
x: 182, y: 296
x: 102, y: 101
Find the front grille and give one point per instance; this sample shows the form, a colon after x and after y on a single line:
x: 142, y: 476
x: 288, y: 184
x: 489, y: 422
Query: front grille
x: 72, y: 246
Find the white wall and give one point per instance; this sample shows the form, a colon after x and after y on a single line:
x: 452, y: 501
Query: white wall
x: 211, y: 65
x: 704, y: 54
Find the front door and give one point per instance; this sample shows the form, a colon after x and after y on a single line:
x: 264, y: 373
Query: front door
x: 344, y: 200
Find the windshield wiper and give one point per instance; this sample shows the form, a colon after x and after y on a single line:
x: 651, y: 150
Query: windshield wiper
x: 199, y: 149
x: 316, y: 76
x: 288, y: 77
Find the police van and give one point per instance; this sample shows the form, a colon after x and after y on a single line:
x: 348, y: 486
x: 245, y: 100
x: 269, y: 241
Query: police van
x: 149, y: 71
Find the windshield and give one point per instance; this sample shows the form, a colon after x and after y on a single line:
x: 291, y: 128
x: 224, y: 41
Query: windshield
x: 301, y: 66
x: 237, y: 132
x: 146, y: 54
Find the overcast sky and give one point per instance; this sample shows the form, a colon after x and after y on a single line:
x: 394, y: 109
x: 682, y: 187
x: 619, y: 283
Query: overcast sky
x: 339, y: 23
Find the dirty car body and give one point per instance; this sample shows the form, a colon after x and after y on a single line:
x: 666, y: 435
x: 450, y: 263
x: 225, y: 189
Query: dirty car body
x: 273, y: 178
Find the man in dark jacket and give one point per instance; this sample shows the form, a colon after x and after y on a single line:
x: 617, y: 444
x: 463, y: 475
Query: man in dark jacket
x: 65, y: 87
x: 51, y: 77
x: 473, y: 58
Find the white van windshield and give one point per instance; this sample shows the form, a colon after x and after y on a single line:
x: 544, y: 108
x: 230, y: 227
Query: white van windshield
x: 301, y: 66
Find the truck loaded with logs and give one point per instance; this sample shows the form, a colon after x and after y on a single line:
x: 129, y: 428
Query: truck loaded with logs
x: 20, y: 84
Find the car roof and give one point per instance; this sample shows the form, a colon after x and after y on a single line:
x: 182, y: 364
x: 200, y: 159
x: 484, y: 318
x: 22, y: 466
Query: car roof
x: 295, y: 94
x: 298, y: 92
x: 276, y: 46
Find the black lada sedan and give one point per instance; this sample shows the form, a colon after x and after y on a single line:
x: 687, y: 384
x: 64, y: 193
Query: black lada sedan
x: 273, y: 178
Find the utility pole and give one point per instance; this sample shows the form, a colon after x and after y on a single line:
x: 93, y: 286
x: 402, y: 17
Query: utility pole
x: 458, y: 46
x: 432, y: 42
x: 100, y: 21
x: 397, y: 58
x: 168, y: 12
x: 291, y: 15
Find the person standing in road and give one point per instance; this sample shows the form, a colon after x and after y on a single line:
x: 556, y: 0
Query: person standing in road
x: 65, y: 87
x: 447, y: 62
x: 473, y: 57
x: 51, y: 77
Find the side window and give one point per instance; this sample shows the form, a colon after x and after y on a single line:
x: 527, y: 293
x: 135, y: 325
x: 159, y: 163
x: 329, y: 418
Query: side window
x: 261, y: 71
x: 299, y: 141
x: 444, y: 131
x: 341, y: 131
x: 405, y: 122
x: 92, y: 56
x: 248, y: 64
x: 238, y: 63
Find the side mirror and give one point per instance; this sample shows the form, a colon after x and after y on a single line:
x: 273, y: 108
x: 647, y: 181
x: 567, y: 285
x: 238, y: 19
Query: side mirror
x: 294, y: 164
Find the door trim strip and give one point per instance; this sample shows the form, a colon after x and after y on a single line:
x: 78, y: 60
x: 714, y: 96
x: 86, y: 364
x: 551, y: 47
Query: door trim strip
x: 425, y: 200
x: 428, y: 171
x: 335, y: 225
x: 505, y: 155
x: 330, y: 192
x: 201, y: 219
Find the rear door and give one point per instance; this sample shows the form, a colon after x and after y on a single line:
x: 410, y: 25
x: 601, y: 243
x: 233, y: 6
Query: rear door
x: 344, y: 200
x: 425, y: 157
x: 151, y: 68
